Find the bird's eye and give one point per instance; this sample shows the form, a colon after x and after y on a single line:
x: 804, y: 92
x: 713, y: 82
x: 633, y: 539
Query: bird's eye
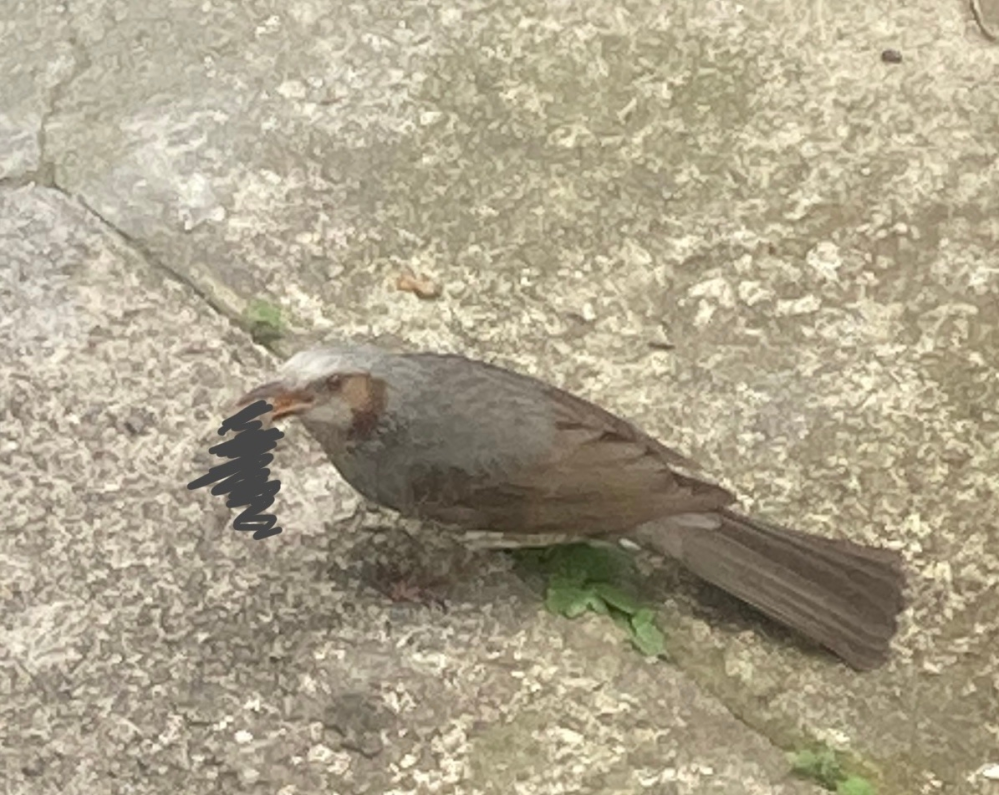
x: 334, y: 382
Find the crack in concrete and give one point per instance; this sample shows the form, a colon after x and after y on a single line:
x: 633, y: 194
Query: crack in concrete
x: 45, y: 173
x: 148, y: 256
x: 983, y: 24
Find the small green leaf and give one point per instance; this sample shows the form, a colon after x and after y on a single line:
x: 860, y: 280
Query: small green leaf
x: 263, y: 321
x: 585, y: 578
x: 647, y: 637
x: 616, y: 598
x: 598, y: 605
x: 820, y: 765
x: 855, y: 785
x: 571, y: 601
x: 644, y: 615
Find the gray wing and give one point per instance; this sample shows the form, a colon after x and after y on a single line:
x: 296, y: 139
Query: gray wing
x: 597, y: 475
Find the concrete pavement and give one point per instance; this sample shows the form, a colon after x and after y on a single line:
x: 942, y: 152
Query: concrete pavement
x: 811, y: 229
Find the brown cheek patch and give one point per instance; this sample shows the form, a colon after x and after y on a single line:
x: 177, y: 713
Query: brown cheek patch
x: 367, y: 398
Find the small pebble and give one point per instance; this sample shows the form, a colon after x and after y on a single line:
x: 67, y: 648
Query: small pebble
x: 891, y: 56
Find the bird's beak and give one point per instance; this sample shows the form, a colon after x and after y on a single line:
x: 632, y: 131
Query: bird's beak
x: 285, y: 401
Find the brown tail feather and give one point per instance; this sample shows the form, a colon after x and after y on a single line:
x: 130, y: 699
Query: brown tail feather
x: 843, y: 595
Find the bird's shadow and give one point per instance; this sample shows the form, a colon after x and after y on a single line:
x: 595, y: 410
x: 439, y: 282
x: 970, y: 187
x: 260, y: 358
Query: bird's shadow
x: 411, y: 567
x: 666, y: 580
x: 391, y: 563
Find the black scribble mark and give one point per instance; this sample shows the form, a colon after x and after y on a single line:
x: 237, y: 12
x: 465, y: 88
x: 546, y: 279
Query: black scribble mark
x: 245, y: 477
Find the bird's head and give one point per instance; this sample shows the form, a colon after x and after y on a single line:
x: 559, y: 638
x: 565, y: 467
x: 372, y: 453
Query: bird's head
x: 324, y: 389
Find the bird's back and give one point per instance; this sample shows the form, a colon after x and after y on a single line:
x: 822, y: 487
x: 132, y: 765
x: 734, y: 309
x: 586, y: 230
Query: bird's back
x: 472, y: 444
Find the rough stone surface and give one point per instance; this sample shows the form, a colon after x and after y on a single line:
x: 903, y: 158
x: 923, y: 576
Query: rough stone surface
x: 739, y: 226
x: 986, y: 15
x: 148, y: 648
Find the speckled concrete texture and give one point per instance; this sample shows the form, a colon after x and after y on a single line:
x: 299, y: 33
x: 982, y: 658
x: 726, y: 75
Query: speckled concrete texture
x: 740, y: 226
x: 147, y: 648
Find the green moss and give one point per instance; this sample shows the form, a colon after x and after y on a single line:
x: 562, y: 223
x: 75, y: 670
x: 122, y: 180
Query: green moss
x: 581, y: 578
x: 824, y: 766
x: 263, y: 321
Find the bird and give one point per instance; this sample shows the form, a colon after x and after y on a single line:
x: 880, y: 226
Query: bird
x: 478, y: 447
